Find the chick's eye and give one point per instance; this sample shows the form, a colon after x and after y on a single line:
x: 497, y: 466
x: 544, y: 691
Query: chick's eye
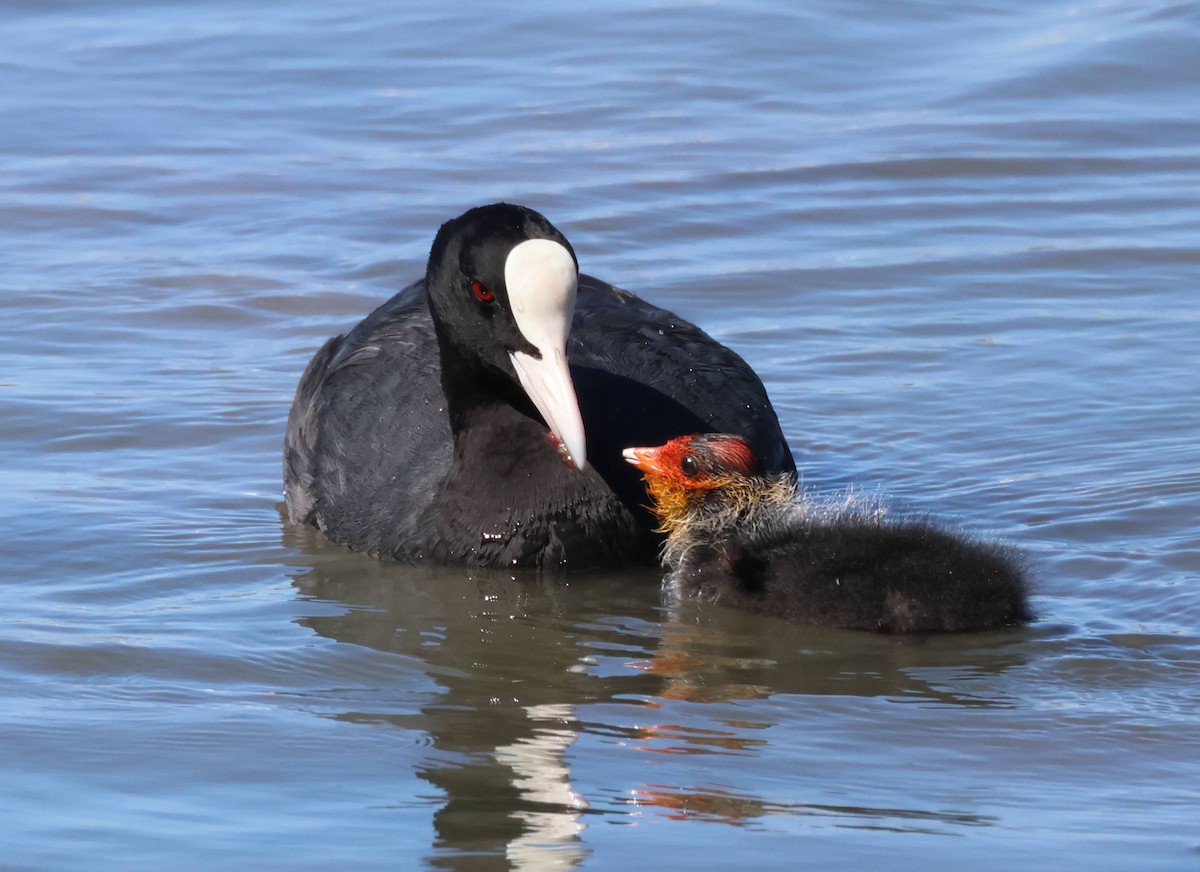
x: 689, y: 466
x: 482, y: 292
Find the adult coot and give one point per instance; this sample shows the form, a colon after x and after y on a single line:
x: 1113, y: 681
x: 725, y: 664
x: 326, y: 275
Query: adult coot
x: 738, y: 535
x: 478, y: 416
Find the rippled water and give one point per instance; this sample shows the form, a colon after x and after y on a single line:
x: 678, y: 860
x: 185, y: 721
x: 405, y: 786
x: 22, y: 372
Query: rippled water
x: 961, y: 249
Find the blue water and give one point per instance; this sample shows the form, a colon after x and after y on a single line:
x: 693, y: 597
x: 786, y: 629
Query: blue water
x: 961, y: 248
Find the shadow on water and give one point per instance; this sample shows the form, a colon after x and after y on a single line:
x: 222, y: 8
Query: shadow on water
x: 525, y: 666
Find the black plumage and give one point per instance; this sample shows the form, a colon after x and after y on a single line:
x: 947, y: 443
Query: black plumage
x: 411, y: 436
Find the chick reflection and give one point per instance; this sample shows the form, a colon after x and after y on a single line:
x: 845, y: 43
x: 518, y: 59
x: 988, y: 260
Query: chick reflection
x: 722, y: 658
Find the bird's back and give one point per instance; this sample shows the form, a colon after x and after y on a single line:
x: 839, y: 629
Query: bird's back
x: 368, y: 441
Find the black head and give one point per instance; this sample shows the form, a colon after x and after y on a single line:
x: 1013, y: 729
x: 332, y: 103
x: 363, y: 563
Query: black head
x: 502, y: 282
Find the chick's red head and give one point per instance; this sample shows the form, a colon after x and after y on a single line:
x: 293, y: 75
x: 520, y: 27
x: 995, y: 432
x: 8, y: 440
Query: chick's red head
x: 688, y: 470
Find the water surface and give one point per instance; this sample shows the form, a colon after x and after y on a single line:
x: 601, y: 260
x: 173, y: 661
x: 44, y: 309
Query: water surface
x: 960, y: 248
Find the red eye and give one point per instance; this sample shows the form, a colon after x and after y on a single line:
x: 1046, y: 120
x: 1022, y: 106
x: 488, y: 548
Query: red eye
x: 482, y: 292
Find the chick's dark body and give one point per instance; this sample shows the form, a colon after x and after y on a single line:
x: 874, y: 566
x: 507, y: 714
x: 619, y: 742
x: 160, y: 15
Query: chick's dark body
x: 892, y: 576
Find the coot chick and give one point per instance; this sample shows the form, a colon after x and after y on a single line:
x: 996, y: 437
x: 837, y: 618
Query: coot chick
x: 478, y: 416
x: 738, y: 535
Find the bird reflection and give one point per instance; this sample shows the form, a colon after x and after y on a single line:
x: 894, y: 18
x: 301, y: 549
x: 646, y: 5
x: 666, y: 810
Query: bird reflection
x: 541, y: 775
x: 510, y: 666
x: 517, y: 668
